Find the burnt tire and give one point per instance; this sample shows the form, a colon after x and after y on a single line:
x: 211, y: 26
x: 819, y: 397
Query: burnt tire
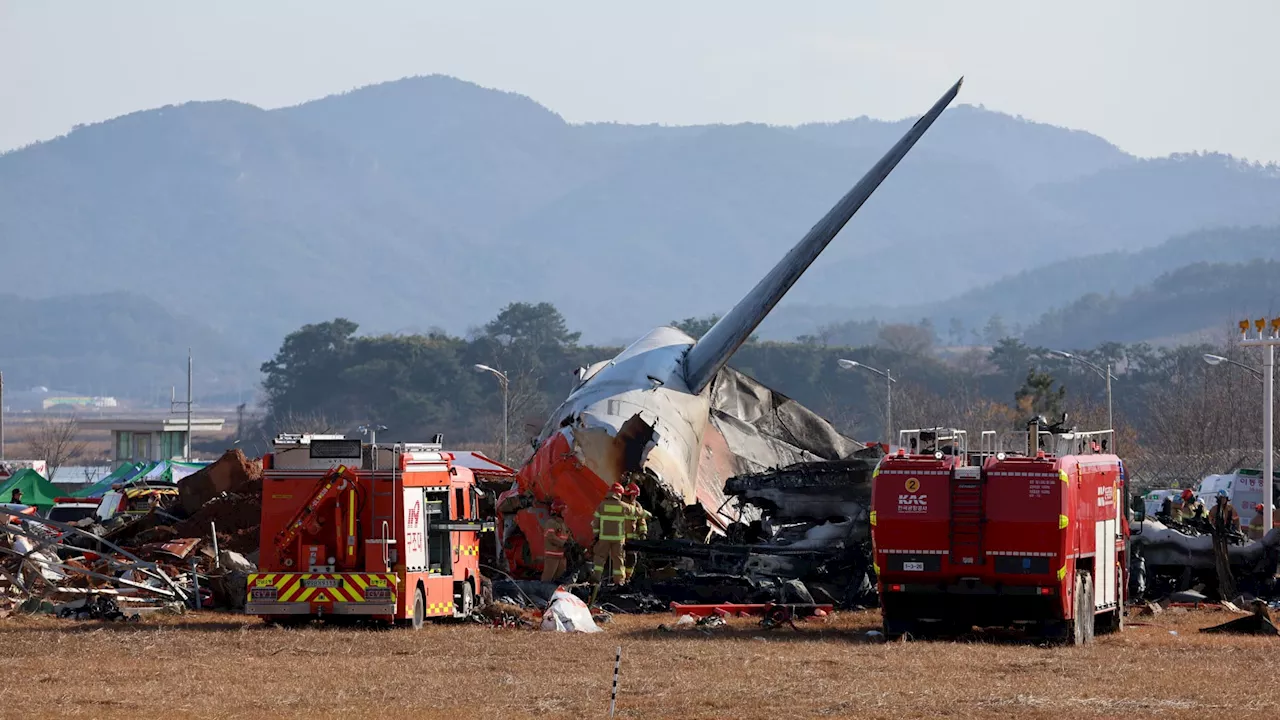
x: 419, y: 616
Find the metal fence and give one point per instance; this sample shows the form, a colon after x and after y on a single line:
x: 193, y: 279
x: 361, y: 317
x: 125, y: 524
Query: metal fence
x: 1149, y: 470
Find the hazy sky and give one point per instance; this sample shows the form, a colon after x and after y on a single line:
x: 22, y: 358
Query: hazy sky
x: 1152, y: 76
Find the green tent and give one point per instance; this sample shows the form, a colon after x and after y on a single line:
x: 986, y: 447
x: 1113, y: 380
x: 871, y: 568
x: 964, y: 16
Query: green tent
x: 103, y: 486
x: 35, y: 489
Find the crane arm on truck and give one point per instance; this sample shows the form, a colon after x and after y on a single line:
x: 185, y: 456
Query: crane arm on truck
x: 335, y: 480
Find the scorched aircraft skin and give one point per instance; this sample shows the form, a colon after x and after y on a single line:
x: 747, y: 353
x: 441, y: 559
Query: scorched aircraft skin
x: 650, y: 409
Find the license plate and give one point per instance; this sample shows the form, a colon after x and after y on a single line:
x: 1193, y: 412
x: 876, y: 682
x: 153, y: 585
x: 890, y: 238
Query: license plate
x: 321, y: 582
x: 268, y: 594
x: 913, y: 566
x: 377, y: 594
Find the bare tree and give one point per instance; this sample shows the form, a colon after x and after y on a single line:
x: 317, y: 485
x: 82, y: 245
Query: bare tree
x: 526, y: 413
x: 56, y: 441
x: 315, y: 423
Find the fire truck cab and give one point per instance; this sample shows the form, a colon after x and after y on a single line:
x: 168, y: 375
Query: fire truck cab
x: 388, y: 533
x: 1033, y: 538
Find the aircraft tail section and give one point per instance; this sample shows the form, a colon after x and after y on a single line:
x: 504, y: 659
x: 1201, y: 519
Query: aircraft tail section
x: 714, y: 349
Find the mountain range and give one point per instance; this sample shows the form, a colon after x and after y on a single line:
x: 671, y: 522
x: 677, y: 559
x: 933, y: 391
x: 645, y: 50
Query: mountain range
x: 433, y: 202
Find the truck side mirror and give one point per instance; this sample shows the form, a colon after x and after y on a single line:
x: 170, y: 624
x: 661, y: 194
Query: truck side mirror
x: 1138, y: 509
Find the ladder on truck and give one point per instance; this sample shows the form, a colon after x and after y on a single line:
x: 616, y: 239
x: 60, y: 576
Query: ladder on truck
x: 968, y: 508
x: 382, y: 499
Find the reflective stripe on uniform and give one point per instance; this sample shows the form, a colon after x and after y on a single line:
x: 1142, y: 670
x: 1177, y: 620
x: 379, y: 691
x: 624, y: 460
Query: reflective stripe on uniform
x: 610, y: 520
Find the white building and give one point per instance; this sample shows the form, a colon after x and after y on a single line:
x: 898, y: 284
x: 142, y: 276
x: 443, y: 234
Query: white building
x: 150, y: 439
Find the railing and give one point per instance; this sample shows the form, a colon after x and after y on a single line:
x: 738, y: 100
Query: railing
x: 929, y: 440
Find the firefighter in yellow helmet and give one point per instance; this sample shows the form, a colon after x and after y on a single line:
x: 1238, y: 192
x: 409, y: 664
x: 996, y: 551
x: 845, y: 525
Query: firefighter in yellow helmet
x: 638, y: 525
x: 610, y: 527
x: 555, y: 538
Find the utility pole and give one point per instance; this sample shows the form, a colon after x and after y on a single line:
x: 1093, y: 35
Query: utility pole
x: 1267, y: 339
x: 1, y: 416
x: 173, y: 402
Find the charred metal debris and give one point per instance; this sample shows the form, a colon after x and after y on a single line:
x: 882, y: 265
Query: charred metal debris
x: 803, y: 535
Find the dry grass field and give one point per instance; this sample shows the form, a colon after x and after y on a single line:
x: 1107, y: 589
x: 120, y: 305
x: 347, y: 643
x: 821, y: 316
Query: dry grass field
x: 221, y: 666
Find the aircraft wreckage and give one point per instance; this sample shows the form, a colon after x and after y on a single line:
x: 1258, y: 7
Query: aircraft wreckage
x: 669, y: 410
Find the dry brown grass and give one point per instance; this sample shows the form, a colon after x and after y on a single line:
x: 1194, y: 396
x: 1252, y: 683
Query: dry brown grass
x: 219, y: 666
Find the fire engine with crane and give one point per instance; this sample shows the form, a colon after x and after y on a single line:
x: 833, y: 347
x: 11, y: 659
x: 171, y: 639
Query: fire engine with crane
x: 350, y: 530
x: 1035, y: 538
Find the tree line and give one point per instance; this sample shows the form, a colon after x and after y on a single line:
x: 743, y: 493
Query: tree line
x: 327, y: 377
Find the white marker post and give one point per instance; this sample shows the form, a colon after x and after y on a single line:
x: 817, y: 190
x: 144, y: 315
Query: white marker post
x: 613, y: 697
x: 1267, y: 338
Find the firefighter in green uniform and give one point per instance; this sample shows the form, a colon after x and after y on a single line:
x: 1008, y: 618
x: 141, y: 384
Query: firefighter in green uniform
x: 610, y: 527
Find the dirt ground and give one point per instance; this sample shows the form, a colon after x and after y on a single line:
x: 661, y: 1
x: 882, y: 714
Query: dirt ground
x: 222, y: 666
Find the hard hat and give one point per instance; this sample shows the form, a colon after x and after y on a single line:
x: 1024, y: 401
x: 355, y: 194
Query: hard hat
x: 617, y: 489
x: 633, y: 490
x: 1222, y: 493
x: 558, y: 507
x: 1258, y: 507
x: 1187, y: 494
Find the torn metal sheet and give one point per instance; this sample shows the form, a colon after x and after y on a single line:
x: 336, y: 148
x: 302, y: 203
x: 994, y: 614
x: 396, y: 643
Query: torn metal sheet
x: 177, y: 549
x: 38, y: 533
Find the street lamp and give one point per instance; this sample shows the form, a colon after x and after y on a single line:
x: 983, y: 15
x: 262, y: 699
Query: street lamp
x: 1104, y: 374
x: 502, y: 379
x: 372, y: 432
x: 1268, y: 340
x: 887, y: 374
x: 1218, y: 360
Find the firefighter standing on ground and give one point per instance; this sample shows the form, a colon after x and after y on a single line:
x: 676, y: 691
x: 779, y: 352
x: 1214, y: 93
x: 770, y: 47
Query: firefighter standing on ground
x: 638, y: 526
x: 554, y: 540
x: 1225, y: 522
x: 610, y: 527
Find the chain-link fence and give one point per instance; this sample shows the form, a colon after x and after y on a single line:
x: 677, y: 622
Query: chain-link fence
x: 1150, y: 470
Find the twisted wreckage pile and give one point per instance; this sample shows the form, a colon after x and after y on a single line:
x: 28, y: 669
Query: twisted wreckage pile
x: 167, y: 557
x: 803, y: 535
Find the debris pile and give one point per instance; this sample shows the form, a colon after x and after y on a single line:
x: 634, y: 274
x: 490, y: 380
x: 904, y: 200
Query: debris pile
x: 803, y: 532
x: 229, y: 473
x: 162, y: 556
x: 1165, y: 561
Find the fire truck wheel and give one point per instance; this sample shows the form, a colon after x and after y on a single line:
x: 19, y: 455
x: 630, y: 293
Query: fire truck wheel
x: 1083, y: 625
x: 419, y: 609
x: 467, y: 602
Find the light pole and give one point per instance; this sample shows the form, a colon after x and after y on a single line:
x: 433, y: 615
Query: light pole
x: 1266, y: 339
x: 502, y: 379
x: 372, y: 432
x: 1218, y: 360
x: 1105, y: 375
x: 887, y: 374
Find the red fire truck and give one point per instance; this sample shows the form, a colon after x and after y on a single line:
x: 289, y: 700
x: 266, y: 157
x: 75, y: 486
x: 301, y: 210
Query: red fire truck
x: 349, y: 530
x: 1035, y: 539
